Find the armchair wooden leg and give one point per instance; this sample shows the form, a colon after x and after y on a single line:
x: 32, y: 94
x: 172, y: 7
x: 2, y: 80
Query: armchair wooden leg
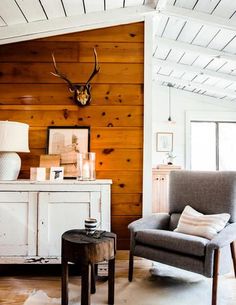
x: 131, y: 266
x: 215, y: 276
x: 233, y: 253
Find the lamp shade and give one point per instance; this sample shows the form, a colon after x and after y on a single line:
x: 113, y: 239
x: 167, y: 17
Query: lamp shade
x: 14, y: 137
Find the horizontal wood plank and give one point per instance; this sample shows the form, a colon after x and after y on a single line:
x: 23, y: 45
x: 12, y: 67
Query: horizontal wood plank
x: 58, y: 94
x: 126, y: 204
x: 101, y: 138
x: 77, y: 73
x: 123, y: 181
x: 129, y: 33
x: 120, y: 225
x: 104, y: 116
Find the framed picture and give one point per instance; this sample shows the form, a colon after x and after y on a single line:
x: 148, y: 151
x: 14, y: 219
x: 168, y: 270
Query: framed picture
x: 164, y: 141
x: 67, y: 142
x: 56, y: 173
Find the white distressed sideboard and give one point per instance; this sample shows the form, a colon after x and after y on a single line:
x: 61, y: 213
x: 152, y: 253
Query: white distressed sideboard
x: 33, y: 216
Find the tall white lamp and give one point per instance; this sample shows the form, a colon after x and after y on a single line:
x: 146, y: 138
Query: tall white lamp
x: 13, y: 139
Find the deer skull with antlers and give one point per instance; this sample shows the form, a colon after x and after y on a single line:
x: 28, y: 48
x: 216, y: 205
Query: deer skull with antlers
x: 81, y: 92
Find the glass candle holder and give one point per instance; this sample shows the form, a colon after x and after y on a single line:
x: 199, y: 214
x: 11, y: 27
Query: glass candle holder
x: 86, y: 166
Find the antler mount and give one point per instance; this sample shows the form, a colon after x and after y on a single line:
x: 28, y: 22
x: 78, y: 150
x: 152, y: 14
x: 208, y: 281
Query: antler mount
x: 81, y: 92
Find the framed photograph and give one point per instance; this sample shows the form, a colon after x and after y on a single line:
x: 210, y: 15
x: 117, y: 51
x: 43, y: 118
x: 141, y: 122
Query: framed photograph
x: 67, y: 142
x: 56, y: 173
x: 164, y: 141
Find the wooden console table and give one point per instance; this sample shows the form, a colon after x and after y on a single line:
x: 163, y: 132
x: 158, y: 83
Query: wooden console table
x: 34, y: 215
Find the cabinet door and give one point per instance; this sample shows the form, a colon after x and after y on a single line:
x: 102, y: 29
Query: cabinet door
x: 62, y: 211
x: 160, y: 193
x: 18, y: 223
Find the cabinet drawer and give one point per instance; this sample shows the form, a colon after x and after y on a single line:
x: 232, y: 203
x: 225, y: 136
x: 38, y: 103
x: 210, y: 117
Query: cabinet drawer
x: 69, y: 197
x: 14, y: 197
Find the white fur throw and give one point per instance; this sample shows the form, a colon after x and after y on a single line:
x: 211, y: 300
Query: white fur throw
x: 194, y: 223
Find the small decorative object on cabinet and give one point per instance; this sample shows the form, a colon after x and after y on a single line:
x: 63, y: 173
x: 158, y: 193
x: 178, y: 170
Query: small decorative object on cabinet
x: 160, y: 187
x: 39, y: 212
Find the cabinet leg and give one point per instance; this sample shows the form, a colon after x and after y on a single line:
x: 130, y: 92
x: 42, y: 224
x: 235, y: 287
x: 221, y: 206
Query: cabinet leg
x: 111, y: 281
x: 85, y: 284
x: 64, y: 283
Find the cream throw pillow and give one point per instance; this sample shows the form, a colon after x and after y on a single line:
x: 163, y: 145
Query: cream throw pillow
x: 195, y: 223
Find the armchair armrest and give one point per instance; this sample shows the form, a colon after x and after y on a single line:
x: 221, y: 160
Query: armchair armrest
x: 156, y: 221
x: 224, y: 238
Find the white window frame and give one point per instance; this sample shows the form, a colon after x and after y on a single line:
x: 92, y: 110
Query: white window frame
x: 202, y: 116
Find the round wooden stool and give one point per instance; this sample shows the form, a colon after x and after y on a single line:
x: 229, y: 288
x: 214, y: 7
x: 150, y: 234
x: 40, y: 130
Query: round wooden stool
x: 86, y: 251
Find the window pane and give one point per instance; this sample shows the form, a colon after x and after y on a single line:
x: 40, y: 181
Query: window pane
x: 203, y: 146
x: 227, y: 146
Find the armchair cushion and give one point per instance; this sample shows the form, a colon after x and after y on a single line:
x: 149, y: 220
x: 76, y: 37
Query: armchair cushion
x: 172, y: 241
x: 195, y: 223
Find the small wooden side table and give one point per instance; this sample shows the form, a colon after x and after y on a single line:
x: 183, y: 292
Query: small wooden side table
x: 86, y: 251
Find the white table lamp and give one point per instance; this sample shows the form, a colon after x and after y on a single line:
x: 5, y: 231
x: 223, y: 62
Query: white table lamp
x: 13, y: 139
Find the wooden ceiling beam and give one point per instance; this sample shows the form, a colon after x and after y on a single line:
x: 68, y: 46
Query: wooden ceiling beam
x: 186, y: 47
x: 191, y: 69
x: 195, y: 85
x: 202, y: 18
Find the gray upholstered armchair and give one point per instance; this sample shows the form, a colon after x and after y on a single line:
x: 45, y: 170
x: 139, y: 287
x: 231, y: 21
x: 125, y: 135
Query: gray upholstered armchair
x: 153, y: 237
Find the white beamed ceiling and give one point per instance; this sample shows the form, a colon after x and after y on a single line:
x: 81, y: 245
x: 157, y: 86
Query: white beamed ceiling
x: 194, y: 45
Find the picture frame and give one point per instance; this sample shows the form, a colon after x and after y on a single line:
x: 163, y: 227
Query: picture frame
x: 67, y: 141
x: 164, y: 141
x: 56, y: 173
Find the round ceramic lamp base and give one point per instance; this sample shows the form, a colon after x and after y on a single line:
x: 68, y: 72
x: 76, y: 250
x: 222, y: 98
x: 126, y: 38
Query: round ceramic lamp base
x: 10, y: 164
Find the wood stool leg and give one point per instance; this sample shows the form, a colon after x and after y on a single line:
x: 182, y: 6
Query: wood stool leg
x: 111, y: 281
x: 215, y: 276
x: 233, y: 253
x: 85, y: 284
x: 131, y: 266
x: 64, y: 283
x: 93, y: 278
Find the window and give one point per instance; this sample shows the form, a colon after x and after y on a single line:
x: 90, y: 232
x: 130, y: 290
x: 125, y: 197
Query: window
x: 213, y: 145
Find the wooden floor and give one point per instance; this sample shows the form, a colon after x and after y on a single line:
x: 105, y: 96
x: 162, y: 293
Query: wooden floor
x: 14, y: 290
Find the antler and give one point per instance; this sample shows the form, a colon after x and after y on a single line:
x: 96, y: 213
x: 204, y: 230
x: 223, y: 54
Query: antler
x: 61, y: 75
x: 96, y: 68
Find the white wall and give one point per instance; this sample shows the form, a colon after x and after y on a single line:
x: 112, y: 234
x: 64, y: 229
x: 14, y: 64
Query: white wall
x: 181, y: 103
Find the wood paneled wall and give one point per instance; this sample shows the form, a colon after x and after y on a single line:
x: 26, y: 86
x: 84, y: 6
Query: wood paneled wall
x: 29, y: 93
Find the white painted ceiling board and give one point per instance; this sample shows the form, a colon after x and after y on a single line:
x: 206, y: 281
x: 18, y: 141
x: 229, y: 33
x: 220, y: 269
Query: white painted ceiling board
x: 205, y: 36
x: 189, y: 32
x: 188, y: 58
x: 200, y: 78
x: 53, y: 8
x: 132, y: 2
x: 94, y: 6
x: 206, y: 6
x: 32, y: 10
x: 2, y: 23
x: 177, y: 74
x: 225, y: 9
x: 173, y: 28
x: 161, y: 24
x: 188, y: 76
x: 175, y: 55
x: 231, y: 47
x: 73, y: 7
x: 162, y: 53
x: 216, y: 64
x: 202, y: 62
x: 10, y: 12
x: 112, y: 4
x: 165, y: 71
x: 185, y: 3
x: 228, y: 68
x: 221, y: 39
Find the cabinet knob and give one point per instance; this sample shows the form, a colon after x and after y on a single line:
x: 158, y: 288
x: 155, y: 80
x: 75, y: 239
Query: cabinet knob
x: 162, y: 179
x: 157, y: 178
